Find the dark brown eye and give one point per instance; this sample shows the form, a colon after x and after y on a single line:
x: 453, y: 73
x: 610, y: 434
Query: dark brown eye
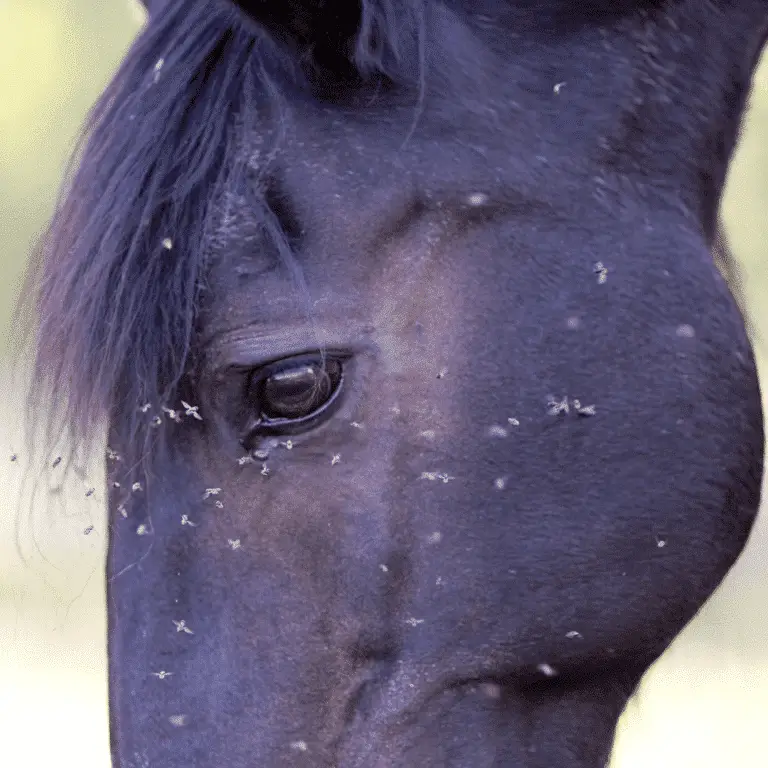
x: 293, y: 395
x: 297, y: 392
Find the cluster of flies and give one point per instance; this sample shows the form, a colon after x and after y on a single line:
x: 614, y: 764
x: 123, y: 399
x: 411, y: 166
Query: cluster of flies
x: 555, y: 407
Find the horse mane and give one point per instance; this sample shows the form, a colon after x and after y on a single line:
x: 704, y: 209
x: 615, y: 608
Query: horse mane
x: 116, y: 282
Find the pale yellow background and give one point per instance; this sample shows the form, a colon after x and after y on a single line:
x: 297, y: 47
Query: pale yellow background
x: 704, y: 704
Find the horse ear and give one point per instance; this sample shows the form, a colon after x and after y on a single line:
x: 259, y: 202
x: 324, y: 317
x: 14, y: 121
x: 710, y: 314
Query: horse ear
x: 293, y: 16
x: 346, y: 37
x: 324, y: 26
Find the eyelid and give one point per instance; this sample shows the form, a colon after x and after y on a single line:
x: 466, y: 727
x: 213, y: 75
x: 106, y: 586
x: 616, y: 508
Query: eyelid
x: 248, y: 348
x: 265, y: 370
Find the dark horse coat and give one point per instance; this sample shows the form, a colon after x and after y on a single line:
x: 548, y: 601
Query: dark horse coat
x: 431, y: 421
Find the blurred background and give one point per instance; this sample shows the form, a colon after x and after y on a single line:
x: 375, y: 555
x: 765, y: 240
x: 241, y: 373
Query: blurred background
x: 704, y: 704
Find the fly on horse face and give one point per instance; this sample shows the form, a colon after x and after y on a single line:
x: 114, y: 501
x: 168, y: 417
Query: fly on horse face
x: 431, y: 420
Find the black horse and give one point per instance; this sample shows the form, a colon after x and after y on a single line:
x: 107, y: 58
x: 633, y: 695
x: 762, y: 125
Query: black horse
x: 431, y: 420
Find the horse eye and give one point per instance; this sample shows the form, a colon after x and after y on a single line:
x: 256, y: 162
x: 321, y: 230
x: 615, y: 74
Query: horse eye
x: 294, y: 394
x: 299, y: 391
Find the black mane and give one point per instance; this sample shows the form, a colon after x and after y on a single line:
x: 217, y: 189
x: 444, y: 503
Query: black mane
x: 116, y: 308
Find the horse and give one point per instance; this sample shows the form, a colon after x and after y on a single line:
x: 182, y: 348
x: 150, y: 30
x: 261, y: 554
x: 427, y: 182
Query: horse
x: 430, y: 419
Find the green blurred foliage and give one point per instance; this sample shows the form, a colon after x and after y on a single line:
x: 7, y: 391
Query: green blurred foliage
x: 745, y: 207
x: 56, y: 57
